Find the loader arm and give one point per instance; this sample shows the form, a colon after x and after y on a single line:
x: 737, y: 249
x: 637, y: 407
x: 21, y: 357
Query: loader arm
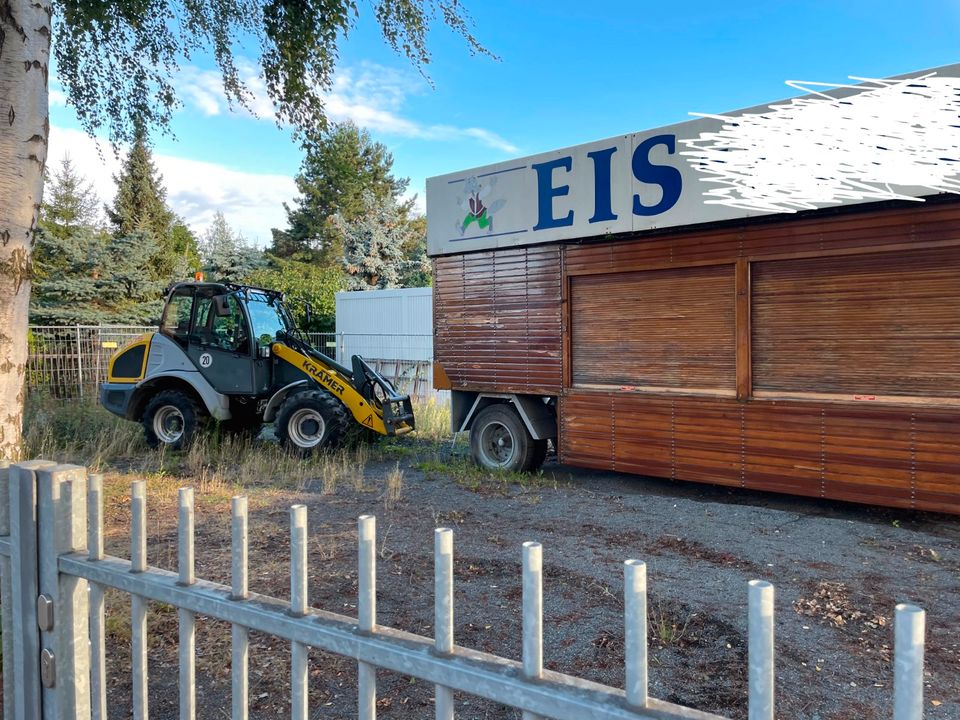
x: 368, y: 412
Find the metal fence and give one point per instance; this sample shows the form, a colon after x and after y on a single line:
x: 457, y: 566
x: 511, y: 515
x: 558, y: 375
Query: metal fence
x: 71, y: 361
x: 54, y: 573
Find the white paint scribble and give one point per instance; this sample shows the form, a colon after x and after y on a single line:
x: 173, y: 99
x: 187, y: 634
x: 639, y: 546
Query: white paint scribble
x: 817, y: 150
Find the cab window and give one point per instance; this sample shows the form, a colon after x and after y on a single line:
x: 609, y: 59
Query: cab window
x: 176, y: 316
x: 220, y: 323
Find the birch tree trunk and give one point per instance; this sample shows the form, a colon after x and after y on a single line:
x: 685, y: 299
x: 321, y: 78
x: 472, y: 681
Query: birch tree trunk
x: 24, y: 127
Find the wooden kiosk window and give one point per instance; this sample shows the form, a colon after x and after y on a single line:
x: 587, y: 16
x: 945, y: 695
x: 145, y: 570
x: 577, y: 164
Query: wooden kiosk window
x: 668, y: 330
x: 858, y: 327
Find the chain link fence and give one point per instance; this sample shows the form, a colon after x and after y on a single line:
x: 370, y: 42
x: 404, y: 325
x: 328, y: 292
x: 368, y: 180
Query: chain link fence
x: 72, y: 361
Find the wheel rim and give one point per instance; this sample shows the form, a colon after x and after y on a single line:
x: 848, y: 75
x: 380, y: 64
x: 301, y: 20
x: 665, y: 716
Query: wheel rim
x: 306, y: 428
x: 496, y: 444
x: 168, y: 424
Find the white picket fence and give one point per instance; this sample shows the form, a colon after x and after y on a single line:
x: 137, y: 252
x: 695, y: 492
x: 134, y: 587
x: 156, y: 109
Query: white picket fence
x: 54, y: 573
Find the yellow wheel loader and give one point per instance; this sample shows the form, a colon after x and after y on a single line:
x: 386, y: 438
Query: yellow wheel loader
x: 232, y: 353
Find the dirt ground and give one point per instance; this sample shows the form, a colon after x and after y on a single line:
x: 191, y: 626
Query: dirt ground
x: 839, y: 570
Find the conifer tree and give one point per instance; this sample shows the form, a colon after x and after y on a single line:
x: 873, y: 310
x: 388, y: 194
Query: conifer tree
x: 70, y: 202
x: 373, y: 244
x: 82, y: 273
x: 108, y: 281
x: 225, y: 254
x: 332, y: 180
x: 185, y: 248
x: 70, y: 206
x: 141, y: 207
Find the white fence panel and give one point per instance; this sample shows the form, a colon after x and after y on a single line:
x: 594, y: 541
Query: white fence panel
x: 394, y: 330
x: 49, y: 514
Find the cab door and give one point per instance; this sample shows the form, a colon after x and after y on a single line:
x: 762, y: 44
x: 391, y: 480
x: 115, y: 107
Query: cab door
x: 220, y: 344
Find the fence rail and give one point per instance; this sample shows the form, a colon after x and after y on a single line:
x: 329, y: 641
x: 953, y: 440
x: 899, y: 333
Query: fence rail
x: 72, y: 361
x: 53, y: 544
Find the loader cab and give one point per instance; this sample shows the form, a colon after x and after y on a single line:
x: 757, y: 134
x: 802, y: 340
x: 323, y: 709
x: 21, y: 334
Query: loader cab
x: 210, y: 323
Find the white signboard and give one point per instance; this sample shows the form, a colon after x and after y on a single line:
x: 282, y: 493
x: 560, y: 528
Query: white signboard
x: 892, y: 139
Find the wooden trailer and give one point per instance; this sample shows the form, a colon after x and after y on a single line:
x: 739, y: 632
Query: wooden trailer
x: 812, y: 352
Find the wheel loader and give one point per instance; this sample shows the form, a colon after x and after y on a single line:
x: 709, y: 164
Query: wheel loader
x: 233, y: 354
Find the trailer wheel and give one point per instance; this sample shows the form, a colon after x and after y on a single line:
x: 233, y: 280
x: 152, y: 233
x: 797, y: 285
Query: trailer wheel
x: 500, y: 441
x: 310, y: 421
x: 171, y: 418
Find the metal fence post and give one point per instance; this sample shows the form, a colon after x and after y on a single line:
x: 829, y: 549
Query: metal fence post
x: 760, y: 650
x: 532, y: 615
x: 6, y: 588
x: 635, y: 631
x: 63, y: 605
x: 367, y: 613
x: 443, y: 612
x: 79, y: 364
x: 908, y: 662
x: 24, y: 581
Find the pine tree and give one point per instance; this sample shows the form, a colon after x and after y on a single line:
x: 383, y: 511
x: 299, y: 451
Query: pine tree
x: 333, y: 177
x: 225, y: 254
x: 82, y: 273
x: 373, y: 244
x: 70, y: 202
x: 70, y: 205
x: 127, y: 292
x: 109, y: 280
x: 141, y: 207
x: 66, y: 290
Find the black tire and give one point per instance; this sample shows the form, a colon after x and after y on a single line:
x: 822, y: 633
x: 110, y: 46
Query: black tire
x: 539, y: 455
x: 310, y: 421
x: 500, y: 441
x: 171, y: 419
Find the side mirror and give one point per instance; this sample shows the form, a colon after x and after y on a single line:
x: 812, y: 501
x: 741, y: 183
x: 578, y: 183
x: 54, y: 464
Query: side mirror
x: 220, y: 303
x: 309, y: 317
x: 264, y: 351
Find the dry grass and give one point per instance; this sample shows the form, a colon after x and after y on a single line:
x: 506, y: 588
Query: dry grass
x: 78, y: 432
x: 433, y: 420
x: 84, y: 433
x: 393, y: 487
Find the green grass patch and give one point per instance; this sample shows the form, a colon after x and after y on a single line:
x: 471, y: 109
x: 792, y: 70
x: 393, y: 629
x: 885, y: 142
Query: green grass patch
x: 468, y: 474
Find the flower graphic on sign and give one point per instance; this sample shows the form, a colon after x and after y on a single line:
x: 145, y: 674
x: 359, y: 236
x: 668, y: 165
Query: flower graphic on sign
x: 474, y: 202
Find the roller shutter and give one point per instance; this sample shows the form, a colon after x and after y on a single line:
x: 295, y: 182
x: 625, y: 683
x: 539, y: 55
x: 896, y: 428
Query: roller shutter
x: 655, y: 329
x: 859, y: 326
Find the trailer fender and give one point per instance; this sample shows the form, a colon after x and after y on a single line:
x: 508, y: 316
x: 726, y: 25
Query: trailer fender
x: 534, y: 410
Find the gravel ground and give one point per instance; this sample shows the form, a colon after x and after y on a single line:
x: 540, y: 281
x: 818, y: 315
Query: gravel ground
x: 839, y: 570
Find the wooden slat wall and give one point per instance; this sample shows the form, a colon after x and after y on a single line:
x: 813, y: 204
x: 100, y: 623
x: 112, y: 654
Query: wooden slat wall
x: 670, y: 328
x: 848, y: 233
x: 880, y: 324
x: 497, y: 319
x: 883, y: 456
x: 901, y: 313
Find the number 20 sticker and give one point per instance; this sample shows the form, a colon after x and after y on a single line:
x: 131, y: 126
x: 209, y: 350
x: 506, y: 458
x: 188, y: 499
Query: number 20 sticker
x: 206, y: 360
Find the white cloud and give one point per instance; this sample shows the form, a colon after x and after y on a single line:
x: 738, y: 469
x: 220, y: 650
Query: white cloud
x: 370, y: 95
x: 251, y: 202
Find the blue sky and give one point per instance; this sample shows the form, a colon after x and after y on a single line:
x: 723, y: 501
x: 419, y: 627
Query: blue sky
x: 569, y: 72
